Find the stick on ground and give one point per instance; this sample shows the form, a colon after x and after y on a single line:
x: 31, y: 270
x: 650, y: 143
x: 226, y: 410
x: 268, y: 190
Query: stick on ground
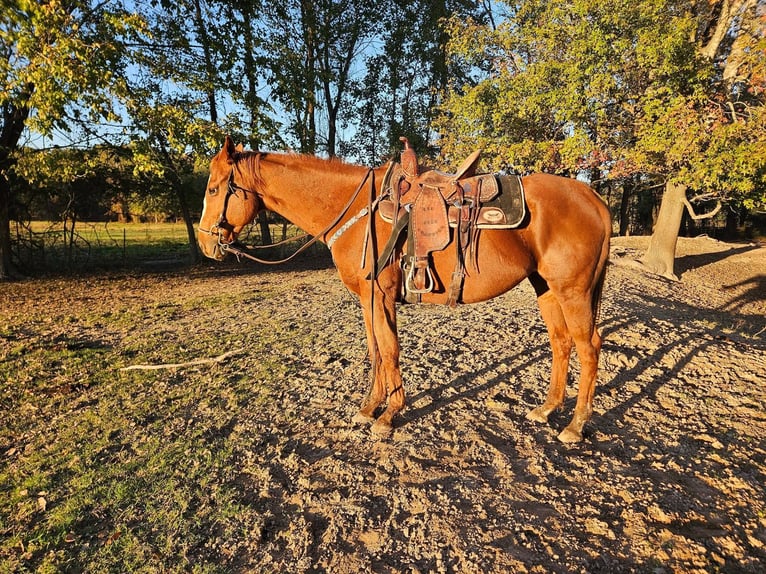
x: 194, y: 362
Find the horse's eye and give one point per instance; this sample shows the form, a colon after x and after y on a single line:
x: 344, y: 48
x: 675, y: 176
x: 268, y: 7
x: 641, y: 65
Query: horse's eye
x: 212, y: 190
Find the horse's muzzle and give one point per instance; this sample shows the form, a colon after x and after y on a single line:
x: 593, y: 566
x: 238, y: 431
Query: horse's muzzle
x: 210, y: 246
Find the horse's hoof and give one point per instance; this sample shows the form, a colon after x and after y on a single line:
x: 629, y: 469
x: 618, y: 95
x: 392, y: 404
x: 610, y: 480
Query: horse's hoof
x: 538, y: 415
x: 381, y: 430
x: 362, y: 419
x: 570, y: 436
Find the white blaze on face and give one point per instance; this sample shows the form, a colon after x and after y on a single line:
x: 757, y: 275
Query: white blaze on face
x: 204, y: 202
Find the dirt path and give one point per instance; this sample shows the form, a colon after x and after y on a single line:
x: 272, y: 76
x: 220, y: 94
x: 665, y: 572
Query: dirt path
x: 670, y: 477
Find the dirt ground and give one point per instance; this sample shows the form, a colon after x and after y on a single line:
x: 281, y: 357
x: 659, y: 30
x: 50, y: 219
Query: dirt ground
x: 670, y: 476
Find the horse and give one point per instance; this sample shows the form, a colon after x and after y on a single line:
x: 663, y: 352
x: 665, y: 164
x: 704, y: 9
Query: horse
x: 562, y: 249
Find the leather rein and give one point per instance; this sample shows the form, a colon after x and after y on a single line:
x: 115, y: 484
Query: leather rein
x: 237, y: 249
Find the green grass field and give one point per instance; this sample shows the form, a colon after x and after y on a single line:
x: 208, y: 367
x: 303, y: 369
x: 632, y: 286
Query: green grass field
x: 47, y: 246
x: 110, y: 471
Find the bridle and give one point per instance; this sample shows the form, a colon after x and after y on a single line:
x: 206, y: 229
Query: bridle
x: 222, y: 224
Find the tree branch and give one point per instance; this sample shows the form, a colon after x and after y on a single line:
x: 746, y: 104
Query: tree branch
x: 218, y: 359
x: 704, y: 197
x: 696, y: 217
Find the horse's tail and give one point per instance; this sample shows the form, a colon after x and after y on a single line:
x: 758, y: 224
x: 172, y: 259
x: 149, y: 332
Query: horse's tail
x: 598, y: 287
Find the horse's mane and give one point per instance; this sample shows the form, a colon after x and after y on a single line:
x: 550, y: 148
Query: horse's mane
x: 249, y: 163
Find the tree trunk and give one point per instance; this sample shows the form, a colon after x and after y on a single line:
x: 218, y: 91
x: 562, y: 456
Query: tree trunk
x: 177, y: 186
x: 720, y: 24
x: 13, y: 121
x: 263, y: 222
x: 210, y: 69
x: 186, y: 213
x: 5, y: 228
x: 309, y: 127
x: 627, y: 192
x: 252, y: 101
x: 660, y: 256
x: 732, y: 223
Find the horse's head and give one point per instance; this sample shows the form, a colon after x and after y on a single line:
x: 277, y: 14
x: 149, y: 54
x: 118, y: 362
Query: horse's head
x: 230, y: 200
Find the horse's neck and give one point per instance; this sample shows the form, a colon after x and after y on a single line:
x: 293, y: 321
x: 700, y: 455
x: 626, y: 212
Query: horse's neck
x: 309, y: 193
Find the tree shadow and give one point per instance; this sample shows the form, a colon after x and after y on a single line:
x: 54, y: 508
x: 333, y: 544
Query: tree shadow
x: 686, y: 464
x: 464, y: 386
x: 689, y: 262
x: 755, y: 292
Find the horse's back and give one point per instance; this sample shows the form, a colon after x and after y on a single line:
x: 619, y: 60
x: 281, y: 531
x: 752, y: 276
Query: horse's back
x: 561, y: 197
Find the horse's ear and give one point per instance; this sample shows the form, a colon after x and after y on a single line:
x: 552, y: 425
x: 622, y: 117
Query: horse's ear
x: 240, y: 148
x: 228, y: 150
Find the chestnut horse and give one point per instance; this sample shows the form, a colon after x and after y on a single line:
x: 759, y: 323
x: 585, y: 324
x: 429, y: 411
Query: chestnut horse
x: 562, y: 248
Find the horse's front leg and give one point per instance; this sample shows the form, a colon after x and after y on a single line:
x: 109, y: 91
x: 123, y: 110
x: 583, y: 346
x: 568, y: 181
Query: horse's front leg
x: 376, y: 395
x: 383, y: 342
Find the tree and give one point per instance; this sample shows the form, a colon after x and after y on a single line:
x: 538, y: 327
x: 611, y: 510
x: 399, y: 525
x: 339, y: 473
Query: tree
x: 57, y: 67
x: 310, y: 50
x: 620, y: 90
x: 172, y: 96
x: 404, y: 79
x: 711, y: 142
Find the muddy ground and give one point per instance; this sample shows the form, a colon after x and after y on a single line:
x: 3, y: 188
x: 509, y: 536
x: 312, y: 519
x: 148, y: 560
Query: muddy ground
x: 670, y: 476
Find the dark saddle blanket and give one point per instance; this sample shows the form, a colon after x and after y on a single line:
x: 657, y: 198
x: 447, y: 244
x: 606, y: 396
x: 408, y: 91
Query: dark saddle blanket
x: 439, y: 209
x: 505, y: 210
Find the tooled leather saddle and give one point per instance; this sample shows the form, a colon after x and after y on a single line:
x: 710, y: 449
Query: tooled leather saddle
x: 438, y: 209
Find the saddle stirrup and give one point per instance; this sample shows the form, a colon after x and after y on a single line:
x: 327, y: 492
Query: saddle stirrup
x: 410, y: 281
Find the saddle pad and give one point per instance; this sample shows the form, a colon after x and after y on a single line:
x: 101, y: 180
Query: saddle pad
x: 486, y: 186
x: 506, y: 211
x: 428, y: 222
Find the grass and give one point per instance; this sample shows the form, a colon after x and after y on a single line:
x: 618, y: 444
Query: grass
x: 107, y: 245
x: 120, y: 472
x: 136, y: 471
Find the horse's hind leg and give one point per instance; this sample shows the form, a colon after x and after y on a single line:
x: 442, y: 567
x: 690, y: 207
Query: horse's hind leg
x: 561, y: 345
x: 580, y: 318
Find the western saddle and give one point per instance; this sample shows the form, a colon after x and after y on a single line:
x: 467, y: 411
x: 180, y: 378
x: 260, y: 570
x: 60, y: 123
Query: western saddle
x: 430, y: 204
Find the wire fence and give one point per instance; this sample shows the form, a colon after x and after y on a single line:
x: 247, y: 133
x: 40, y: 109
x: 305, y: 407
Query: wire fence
x: 42, y: 246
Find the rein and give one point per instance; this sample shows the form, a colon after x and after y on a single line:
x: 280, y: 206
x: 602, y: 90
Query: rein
x: 233, y: 247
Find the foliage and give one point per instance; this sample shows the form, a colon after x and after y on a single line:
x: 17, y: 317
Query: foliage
x: 92, y: 183
x: 621, y: 91
x: 611, y: 89
x: 62, y: 59
x: 404, y: 77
